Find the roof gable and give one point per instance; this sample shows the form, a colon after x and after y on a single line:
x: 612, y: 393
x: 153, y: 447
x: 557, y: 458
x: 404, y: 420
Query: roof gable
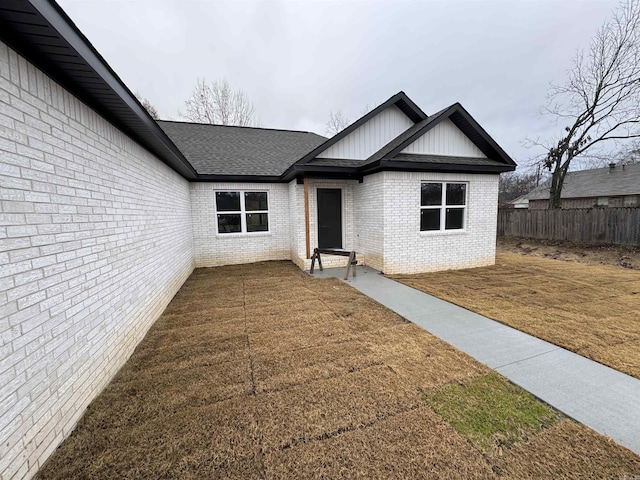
x: 461, y: 119
x: 399, y: 100
x: 444, y: 139
x: 369, y: 137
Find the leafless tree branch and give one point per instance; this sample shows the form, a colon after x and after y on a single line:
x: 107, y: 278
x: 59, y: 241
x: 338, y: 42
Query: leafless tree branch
x: 600, y: 100
x: 151, y: 110
x: 217, y: 103
x: 336, y: 123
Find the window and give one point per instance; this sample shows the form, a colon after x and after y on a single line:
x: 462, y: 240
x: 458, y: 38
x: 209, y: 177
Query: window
x: 442, y: 206
x: 602, y: 202
x: 630, y: 201
x: 242, y: 212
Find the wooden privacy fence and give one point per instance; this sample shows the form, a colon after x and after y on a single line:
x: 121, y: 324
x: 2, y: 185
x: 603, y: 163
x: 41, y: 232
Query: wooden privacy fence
x: 620, y: 226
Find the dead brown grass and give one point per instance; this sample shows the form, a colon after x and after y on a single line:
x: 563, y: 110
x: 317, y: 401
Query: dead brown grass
x: 419, y: 442
x: 566, y: 450
x: 593, y: 310
x: 291, y: 377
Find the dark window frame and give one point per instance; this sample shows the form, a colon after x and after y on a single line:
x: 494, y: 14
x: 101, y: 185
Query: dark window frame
x: 243, y: 213
x: 443, y: 208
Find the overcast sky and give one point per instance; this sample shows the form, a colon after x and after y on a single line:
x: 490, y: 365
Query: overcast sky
x: 299, y: 60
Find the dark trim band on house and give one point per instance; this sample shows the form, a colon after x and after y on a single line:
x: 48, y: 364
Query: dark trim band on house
x: 240, y: 178
x: 445, y: 168
x: 42, y: 32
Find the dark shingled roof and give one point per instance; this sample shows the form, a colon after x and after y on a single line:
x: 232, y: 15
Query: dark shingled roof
x: 598, y: 182
x: 220, y: 152
x: 337, y: 162
x: 440, y: 159
x: 241, y: 151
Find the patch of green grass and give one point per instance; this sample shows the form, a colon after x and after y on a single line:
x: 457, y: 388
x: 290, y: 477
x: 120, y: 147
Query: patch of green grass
x: 490, y: 411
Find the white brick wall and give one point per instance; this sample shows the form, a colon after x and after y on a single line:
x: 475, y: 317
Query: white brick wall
x: 370, y: 226
x: 97, y: 235
x: 407, y: 250
x: 212, y: 249
x: 382, y: 223
x: 297, y: 225
x: 95, y: 239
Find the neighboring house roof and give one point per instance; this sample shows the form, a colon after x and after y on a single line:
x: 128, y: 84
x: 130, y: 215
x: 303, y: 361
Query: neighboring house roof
x: 238, y: 151
x: 43, y: 33
x: 522, y: 200
x: 598, y: 182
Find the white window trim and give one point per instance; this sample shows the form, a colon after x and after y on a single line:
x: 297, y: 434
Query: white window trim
x: 243, y: 214
x: 443, y: 209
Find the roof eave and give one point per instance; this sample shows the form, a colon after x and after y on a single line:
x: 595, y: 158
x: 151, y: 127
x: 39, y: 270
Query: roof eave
x: 125, y: 111
x: 239, y: 178
x: 388, y: 164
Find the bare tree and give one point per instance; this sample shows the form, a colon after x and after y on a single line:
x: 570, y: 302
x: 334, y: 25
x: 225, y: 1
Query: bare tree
x: 336, y: 123
x: 513, y: 184
x: 630, y: 154
x: 151, y: 110
x: 217, y: 103
x: 600, y: 101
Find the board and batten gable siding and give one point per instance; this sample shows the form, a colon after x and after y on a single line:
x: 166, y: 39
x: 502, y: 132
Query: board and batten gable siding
x: 445, y: 139
x: 408, y: 250
x: 95, y: 240
x: 212, y: 249
x: 370, y: 137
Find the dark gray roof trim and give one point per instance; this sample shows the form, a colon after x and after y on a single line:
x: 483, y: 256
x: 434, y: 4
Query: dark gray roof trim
x: 400, y: 100
x: 335, y: 162
x: 437, y: 167
x: 442, y: 159
x: 437, y: 164
x: 41, y: 32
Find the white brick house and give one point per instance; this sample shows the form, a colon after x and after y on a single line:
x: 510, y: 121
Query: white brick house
x: 104, y: 213
x: 408, y: 192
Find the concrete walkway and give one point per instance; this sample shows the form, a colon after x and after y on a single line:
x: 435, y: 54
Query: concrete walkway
x: 602, y: 398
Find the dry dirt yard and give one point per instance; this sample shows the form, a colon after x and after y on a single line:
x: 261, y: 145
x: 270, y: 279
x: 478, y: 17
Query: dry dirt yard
x: 568, y: 295
x: 260, y: 371
x: 616, y: 255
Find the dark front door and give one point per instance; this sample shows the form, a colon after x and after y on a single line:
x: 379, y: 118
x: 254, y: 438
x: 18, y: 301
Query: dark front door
x: 329, y: 218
